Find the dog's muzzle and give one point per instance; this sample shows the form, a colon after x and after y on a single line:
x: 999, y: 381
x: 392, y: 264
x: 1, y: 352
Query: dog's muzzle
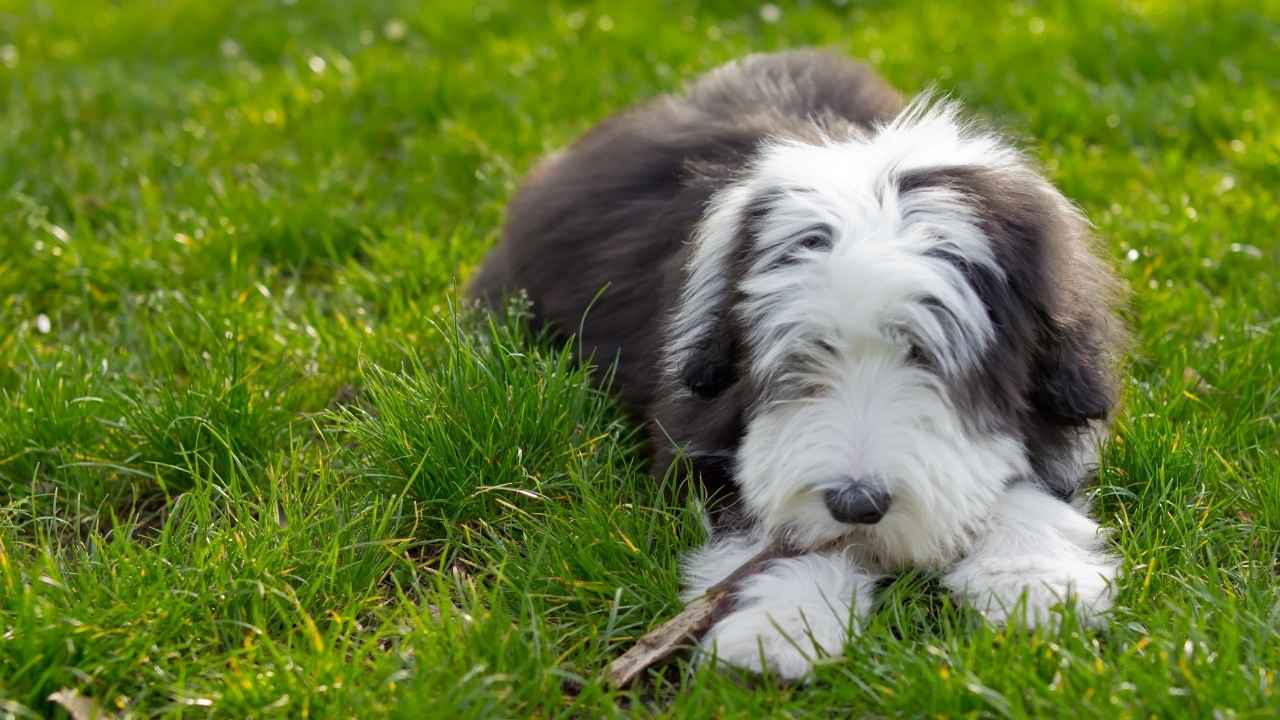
x: 858, y: 502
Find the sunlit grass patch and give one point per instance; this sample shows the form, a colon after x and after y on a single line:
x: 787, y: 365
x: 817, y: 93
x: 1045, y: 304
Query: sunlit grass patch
x: 252, y: 463
x: 482, y: 402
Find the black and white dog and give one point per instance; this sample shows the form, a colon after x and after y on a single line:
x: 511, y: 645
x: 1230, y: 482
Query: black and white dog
x: 873, y: 329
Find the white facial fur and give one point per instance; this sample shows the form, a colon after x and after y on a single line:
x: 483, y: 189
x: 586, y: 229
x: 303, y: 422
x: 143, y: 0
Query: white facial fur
x: 828, y: 329
x: 839, y: 320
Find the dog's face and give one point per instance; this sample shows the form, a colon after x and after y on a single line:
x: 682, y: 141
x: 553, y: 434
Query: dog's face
x: 899, y: 308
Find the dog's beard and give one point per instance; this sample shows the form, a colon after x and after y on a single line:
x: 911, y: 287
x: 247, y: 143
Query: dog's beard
x: 875, y: 418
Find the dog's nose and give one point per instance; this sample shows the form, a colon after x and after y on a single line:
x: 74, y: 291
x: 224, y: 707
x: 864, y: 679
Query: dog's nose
x: 858, y: 502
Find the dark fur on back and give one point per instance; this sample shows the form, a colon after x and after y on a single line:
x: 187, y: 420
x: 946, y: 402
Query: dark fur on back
x: 599, y: 237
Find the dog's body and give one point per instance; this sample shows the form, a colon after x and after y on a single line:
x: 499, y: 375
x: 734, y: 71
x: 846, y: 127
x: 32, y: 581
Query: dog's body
x: 867, y: 326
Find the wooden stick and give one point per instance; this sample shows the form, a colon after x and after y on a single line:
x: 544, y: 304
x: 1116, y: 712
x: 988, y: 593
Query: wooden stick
x: 691, y: 624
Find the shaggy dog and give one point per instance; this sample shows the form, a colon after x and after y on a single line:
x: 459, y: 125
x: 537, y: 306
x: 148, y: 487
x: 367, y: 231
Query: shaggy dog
x: 874, y: 331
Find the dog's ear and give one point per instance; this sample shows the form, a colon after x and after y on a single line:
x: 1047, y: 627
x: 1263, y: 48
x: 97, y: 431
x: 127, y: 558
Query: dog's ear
x: 1035, y: 231
x: 1075, y: 380
x: 711, y: 367
x: 1073, y: 383
x: 704, y: 345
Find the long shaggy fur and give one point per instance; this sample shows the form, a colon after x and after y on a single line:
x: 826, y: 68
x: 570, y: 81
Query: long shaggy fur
x: 813, y: 291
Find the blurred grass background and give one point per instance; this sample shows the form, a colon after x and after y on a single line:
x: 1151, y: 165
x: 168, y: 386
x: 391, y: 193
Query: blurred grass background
x: 251, y: 464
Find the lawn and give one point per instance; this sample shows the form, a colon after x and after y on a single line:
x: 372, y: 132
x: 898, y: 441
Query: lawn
x: 255, y: 460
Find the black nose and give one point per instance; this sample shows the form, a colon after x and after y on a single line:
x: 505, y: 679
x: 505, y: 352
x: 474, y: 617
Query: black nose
x: 858, y: 502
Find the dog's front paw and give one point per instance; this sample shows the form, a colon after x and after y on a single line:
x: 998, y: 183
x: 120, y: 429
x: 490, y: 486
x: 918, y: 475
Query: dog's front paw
x: 1031, y: 586
x: 1039, y: 553
x: 796, y: 611
x: 783, y: 640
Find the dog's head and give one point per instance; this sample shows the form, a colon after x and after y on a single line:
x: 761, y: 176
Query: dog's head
x: 914, y: 318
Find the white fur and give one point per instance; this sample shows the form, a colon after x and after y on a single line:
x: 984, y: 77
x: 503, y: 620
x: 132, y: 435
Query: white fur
x: 872, y: 285
x: 1041, y: 551
x: 792, y: 613
x: 850, y: 314
x: 880, y: 287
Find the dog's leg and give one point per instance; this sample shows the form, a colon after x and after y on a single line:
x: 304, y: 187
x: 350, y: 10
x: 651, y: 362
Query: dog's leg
x: 786, y: 616
x: 1042, y: 547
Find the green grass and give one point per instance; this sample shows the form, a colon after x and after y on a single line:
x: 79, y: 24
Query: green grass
x: 251, y: 463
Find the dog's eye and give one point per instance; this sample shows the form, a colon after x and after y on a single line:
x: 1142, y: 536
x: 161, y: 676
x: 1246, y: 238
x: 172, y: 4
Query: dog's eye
x: 917, y: 356
x: 816, y: 239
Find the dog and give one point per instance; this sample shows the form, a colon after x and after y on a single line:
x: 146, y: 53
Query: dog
x: 871, y: 329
